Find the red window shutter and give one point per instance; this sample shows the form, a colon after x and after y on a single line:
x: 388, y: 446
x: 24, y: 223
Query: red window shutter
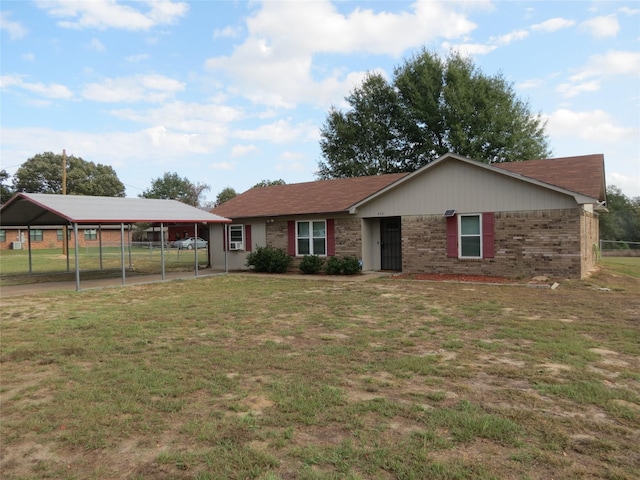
x: 291, y: 248
x: 452, y: 236
x: 225, y: 230
x: 247, y: 238
x: 488, y: 235
x: 331, y: 238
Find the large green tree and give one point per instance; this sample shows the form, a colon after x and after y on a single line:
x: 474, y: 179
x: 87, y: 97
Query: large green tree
x: 622, y: 221
x: 269, y: 183
x: 172, y: 187
x: 225, y: 195
x: 6, y: 191
x: 42, y: 173
x: 432, y: 106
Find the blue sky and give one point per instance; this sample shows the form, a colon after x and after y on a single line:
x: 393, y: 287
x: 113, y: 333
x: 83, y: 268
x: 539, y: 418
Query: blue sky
x: 230, y: 93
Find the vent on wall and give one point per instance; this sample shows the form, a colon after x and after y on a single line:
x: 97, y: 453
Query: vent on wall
x: 449, y: 213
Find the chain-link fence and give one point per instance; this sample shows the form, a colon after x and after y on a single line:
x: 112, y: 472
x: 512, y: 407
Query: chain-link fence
x: 619, y: 248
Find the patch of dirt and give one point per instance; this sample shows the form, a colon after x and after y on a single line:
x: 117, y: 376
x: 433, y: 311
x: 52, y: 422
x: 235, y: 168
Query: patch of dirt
x: 450, y: 277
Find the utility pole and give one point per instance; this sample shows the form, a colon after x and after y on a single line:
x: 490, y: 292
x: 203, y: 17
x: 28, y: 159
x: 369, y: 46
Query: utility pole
x: 65, y: 252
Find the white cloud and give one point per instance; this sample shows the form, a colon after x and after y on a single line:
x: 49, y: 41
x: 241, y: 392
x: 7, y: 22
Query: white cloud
x: 227, y: 32
x: 225, y: 166
x: 629, y: 184
x: 137, y: 58
x: 29, y: 57
x: 629, y: 11
x: 14, y: 29
x: 593, y: 126
x: 52, y: 90
x: 569, y: 90
x: 611, y: 63
x: 103, y: 14
x: 469, y: 49
x: 602, y: 27
x: 242, y: 150
x: 97, y: 46
x: 203, y: 118
x: 139, y: 88
x: 281, y: 131
x: 509, y: 37
x: 528, y: 84
x: 553, y: 24
x: 273, y: 66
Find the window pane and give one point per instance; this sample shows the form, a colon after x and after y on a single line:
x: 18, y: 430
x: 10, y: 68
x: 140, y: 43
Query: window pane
x: 470, y: 246
x: 303, y: 246
x: 303, y: 229
x: 318, y: 246
x: 318, y: 229
x: 470, y: 225
x: 235, y: 233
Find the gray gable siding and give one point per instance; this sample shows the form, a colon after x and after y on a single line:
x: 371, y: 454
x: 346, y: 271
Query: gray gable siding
x: 465, y: 188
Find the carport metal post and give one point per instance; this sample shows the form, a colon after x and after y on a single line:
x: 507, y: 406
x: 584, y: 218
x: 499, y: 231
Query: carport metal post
x: 195, y: 248
x: 124, y: 274
x: 225, y: 227
x: 162, y: 249
x: 77, y: 259
x: 100, y: 244
x: 29, y: 245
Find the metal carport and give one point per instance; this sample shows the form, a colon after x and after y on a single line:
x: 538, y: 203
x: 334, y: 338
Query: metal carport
x: 38, y: 209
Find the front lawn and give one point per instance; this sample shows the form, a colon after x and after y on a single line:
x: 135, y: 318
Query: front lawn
x: 246, y: 376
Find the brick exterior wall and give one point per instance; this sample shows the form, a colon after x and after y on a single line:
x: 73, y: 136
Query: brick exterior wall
x: 590, y: 234
x: 348, y: 236
x: 50, y: 239
x: 527, y: 244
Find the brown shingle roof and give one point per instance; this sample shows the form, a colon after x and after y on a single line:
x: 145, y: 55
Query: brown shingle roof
x: 325, y: 196
x: 582, y: 174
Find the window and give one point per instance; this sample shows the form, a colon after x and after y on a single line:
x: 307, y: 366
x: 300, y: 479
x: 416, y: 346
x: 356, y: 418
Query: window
x: 236, y: 237
x: 311, y: 238
x: 61, y: 234
x: 3, y: 235
x: 90, y: 234
x: 36, y: 235
x: 470, y: 236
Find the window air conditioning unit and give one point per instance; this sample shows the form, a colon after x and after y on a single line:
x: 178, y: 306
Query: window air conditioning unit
x: 235, y: 245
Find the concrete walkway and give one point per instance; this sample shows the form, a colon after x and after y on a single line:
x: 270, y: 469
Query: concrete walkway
x: 36, y: 288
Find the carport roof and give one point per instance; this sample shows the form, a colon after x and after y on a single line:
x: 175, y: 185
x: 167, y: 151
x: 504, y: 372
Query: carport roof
x: 39, y: 209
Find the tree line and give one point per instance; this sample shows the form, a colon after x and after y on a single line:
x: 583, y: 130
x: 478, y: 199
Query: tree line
x: 431, y: 106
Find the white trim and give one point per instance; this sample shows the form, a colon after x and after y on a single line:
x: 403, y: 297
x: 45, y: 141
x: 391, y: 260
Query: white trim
x: 311, y: 237
x: 460, y: 236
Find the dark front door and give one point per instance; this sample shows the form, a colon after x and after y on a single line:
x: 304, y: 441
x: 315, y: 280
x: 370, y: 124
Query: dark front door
x: 390, y: 244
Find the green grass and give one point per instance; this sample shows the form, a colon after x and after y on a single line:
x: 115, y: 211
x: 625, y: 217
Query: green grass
x: 624, y: 265
x: 51, y: 265
x: 241, y: 376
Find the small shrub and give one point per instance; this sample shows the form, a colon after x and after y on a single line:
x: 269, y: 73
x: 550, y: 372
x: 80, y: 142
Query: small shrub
x: 269, y: 260
x: 343, y: 266
x: 351, y: 266
x: 311, y: 264
x: 334, y: 266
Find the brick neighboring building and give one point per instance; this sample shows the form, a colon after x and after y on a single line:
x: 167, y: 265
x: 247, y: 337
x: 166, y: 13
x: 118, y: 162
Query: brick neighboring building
x: 454, y: 215
x: 52, y: 237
